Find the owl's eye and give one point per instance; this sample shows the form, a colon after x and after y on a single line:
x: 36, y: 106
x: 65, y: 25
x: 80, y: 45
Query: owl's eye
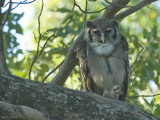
x: 95, y: 30
x: 108, y: 30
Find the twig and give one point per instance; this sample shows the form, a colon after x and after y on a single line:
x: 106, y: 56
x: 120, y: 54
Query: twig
x: 149, y: 8
x: 34, y: 60
x: 40, y: 37
x: 143, y: 96
x: 44, y: 45
x: 39, y: 22
x: 85, y: 15
x: 18, y: 3
x: 135, y: 60
x: 21, y: 2
x: 9, y: 9
x: 75, y: 4
x: 38, y: 54
x: 52, y: 71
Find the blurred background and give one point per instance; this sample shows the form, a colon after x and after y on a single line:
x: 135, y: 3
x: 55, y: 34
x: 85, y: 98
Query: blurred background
x: 141, y: 29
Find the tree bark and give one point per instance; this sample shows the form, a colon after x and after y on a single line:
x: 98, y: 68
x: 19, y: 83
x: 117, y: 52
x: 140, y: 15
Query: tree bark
x: 114, y: 7
x: 62, y: 103
x: 3, y: 64
x: 9, y: 111
x: 133, y: 9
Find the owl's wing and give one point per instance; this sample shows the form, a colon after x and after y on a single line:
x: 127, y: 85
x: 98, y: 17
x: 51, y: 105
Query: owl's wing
x: 124, y: 89
x: 81, y: 53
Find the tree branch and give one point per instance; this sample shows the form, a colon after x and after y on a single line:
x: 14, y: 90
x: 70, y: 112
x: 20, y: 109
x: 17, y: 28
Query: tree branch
x: 133, y: 9
x: 69, y: 63
x: 18, y: 3
x: 84, y: 11
x: 8, y: 11
x: 3, y: 64
x: 52, y: 71
x: 113, y: 8
x: 64, y: 103
x: 21, y: 2
x: 135, y: 96
x: 132, y: 66
x: 19, y: 112
x: 38, y: 53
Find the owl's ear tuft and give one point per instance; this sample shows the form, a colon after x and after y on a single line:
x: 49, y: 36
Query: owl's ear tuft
x: 89, y: 24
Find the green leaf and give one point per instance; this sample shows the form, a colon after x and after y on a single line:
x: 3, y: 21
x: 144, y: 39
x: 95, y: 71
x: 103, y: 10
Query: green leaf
x: 44, y: 67
x: 58, y: 51
x: 19, y: 29
x: 147, y: 34
x: 157, y: 111
x: 17, y: 17
x: 64, y: 10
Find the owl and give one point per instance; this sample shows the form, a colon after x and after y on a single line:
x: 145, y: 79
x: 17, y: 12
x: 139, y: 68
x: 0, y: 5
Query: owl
x: 103, y: 59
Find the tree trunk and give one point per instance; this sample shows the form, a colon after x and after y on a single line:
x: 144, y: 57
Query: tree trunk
x: 53, y: 100
x: 3, y: 64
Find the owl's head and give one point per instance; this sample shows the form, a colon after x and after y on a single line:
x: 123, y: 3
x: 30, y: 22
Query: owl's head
x: 101, y: 30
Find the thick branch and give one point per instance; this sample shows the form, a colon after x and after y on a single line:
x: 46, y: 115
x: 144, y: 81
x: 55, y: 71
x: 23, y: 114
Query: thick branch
x: 112, y: 9
x: 9, y: 111
x: 3, y: 64
x: 133, y: 9
x: 68, y: 65
x: 64, y: 103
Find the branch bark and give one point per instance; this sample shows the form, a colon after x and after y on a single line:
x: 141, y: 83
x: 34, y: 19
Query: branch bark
x: 10, y: 111
x: 69, y: 63
x: 133, y: 9
x: 3, y: 64
x: 59, y: 102
x: 112, y: 9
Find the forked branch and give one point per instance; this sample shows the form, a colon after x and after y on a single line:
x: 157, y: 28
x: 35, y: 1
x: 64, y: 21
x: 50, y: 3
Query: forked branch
x: 113, y: 8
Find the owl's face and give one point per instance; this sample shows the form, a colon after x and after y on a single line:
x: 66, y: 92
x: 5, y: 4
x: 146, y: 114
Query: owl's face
x: 101, y: 30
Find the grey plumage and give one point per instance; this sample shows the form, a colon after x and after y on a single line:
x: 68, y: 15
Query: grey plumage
x: 103, y: 59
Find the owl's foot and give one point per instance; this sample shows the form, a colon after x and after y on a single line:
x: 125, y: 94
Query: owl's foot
x: 116, y: 89
x: 115, y: 92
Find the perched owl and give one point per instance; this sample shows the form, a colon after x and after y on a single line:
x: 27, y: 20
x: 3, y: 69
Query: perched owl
x: 103, y: 59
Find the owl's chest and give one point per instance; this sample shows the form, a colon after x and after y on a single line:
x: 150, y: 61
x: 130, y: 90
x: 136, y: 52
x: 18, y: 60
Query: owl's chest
x: 97, y: 67
x: 106, y: 71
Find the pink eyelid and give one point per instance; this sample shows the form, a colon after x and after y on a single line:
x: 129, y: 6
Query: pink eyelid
x: 108, y: 29
x: 95, y: 29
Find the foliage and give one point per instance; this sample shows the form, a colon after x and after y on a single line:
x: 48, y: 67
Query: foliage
x: 140, y: 29
x: 12, y: 51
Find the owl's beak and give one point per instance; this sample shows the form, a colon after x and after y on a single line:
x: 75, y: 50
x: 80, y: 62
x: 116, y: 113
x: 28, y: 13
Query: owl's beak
x: 102, y: 37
